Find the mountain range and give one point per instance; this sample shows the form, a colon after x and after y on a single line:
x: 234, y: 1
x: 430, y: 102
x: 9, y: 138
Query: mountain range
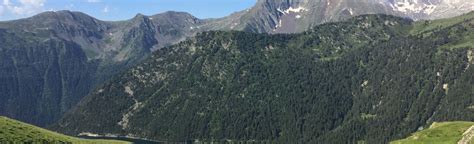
x: 293, y: 16
x: 50, y: 61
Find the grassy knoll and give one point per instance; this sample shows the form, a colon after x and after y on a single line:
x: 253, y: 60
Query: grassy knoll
x: 438, y: 133
x: 13, y: 131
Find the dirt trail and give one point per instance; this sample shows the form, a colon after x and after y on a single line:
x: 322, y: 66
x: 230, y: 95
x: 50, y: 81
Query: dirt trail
x: 467, y: 136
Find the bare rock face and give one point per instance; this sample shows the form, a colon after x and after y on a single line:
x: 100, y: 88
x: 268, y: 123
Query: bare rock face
x: 430, y: 9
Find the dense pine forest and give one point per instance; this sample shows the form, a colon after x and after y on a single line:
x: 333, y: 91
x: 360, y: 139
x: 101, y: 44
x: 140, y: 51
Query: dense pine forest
x: 372, y: 79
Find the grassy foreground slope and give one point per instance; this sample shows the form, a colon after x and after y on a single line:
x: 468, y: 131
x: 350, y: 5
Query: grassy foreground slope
x: 18, y: 132
x: 438, y: 133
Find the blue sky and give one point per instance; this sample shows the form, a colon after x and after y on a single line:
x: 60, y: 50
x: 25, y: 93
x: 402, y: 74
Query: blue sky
x: 122, y: 9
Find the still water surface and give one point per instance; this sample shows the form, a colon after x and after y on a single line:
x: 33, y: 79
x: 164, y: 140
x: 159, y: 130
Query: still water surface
x: 135, y: 141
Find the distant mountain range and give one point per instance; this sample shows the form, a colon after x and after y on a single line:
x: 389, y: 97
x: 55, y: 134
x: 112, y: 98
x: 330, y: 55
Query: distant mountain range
x: 292, y: 16
x: 52, y: 60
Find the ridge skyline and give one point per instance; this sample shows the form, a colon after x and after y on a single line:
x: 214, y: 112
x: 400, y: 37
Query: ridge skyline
x: 121, y: 9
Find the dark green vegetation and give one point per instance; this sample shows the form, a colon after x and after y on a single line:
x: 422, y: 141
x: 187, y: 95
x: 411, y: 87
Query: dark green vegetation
x: 41, y: 78
x: 438, y: 133
x: 50, y: 61
x: 12, y: 131
x: 369, y: 79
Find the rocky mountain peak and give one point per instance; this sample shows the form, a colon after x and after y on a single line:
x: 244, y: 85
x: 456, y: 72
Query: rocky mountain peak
x: 139, y: 16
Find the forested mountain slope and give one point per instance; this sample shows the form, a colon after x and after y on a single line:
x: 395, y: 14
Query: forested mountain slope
x: 56, y: 72
x: 48, y: 62
x: 373, y: 79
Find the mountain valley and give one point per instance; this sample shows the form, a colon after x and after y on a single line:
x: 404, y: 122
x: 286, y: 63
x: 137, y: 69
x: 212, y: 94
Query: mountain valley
x: 282, y: 71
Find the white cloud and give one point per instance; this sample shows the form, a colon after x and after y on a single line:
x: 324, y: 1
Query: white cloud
x: 93, y: 1
x: 70, y: 6
x: 1, y: 10
x: 6, y: 2
x: 106, y: 9
x: 33, y: 2
x: 24, y: 7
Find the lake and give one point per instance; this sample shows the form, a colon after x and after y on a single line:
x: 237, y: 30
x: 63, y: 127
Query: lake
x: 136, y: 141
